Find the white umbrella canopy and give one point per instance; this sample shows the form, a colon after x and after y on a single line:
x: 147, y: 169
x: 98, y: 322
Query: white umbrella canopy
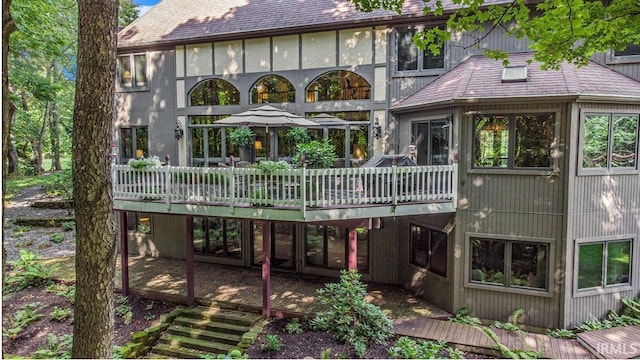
x: 266, y: 116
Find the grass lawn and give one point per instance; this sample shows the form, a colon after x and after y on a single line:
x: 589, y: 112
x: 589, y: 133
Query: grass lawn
x: 16, y: 183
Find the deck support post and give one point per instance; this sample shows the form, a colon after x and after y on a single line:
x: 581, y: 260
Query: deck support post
x: 124, y: 253
x: 353, y: 249
x: 191, y: 293
x: 266, y: 270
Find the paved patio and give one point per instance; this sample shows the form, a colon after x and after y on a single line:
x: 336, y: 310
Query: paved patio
x: 294, y: 294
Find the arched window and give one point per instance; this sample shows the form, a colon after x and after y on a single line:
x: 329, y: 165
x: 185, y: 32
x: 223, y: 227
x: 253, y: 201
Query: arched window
x: 338, y: 85
x: 214, y: 92
x: 272, y: 89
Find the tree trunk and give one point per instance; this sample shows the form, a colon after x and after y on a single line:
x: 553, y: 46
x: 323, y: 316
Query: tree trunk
x: 54, y: 129
x: 8, y: 26
x: 95, y: 223
x: 13, y: 158
x: 38, y: 143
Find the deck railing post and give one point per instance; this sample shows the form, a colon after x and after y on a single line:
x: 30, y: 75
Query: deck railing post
x: 394, y: 180
x: 303, y: 189
x: 454, y: 186
x: 232, y: 187
x: 167, y: 182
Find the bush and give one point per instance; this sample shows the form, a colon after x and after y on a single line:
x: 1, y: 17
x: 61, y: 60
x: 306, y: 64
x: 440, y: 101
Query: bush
x: 57, y: 238
x: 268, y: 167
x: 293, y: 327
x: 271, y: 343
x: 406, y: 348
x: 242, y: 137
x: 298, y: 135
x: 68, y: 225
x: 61, y: 184
x: 350, y: 317
x: 317, y: 154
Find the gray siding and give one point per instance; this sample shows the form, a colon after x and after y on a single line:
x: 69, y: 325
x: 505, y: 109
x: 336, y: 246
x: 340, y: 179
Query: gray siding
x: 167, y: 239
x: 599, y: 206
x: 510, y: 204
x: 155, y: 107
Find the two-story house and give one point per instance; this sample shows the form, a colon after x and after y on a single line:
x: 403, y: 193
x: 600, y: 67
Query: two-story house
x: 525, y: 193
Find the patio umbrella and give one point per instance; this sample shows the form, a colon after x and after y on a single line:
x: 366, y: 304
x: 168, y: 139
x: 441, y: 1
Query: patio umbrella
x: 266, y: 116
x: 334, y: 121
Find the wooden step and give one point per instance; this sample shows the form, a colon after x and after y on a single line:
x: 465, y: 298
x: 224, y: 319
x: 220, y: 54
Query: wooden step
x: 204, y: 335
x: 161, y: 351
x: 205, y: 324
x: 193, y: 344
x: 223, y: 315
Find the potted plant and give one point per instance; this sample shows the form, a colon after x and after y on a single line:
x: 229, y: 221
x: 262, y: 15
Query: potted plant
x: 298, y: 135
x: 317, y: 154
x: 244, y: 138
x: 144, y: 163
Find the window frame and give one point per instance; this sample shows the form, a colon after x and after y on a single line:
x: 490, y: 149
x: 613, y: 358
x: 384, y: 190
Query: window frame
x: 613, y: 59
x: 581, y: 141
x: 224, y: 222
x: 325, y: 239
x: 131, y: 58
x: 604, y: 288
x: 134, y: 142
x: 548, y: 292
x: 427, y: 267
x: 553, y: 169
x: 420, y: 56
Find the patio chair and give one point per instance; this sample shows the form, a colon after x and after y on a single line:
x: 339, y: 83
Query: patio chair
x: 243, y: 164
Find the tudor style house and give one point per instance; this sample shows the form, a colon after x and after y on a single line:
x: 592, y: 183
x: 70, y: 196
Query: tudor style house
x: 469, y: 183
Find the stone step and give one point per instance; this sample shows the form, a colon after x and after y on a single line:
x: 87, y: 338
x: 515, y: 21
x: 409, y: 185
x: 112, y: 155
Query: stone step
x: 223, y: 315
x: 205, y: 324
x: 164, y: 351
x: 174, y: 341
x: 200, y: 334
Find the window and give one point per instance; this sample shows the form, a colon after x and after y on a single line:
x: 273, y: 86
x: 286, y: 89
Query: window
x: 282, y: 244
x: 509, y: 263
x: 609, y: 141
x: 327, y: 246
x: 513, y: 141
x: 630, y: 50
x: 132, y: 71
x: 217, y: 237
x: 431, y: 139
x: 429, y: 249
x: 604, y: 264
x: 272, y: 89
x: 214, y: 92
x: 338, y: 85
x: 411, y: 58
x: 134, y: 142
x: 139, y: 223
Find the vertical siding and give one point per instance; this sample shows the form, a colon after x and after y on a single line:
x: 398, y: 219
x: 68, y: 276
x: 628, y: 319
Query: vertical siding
x: 629, y: 69
x: 155, y: 108
x: 510, y: 204
x: 383, y: 252
x: 600, y: 206
x: 166, y: 240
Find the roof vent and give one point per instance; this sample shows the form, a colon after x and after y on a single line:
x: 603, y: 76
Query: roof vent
x: 514, y: 74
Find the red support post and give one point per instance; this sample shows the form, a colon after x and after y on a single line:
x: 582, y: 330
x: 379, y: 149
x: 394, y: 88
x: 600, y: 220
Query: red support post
x: 353, y: 249
x: 266, y: 270
x: 124, y: 253
x: 191, y: 293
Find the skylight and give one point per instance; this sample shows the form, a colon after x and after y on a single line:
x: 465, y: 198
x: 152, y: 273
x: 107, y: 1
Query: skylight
x: 514, y: 74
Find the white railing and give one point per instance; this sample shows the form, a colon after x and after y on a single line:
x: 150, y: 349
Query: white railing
x: 297, y: 188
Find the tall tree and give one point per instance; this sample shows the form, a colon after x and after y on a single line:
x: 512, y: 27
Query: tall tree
x: 558, y: 30
x: 8, y: 27
x: 95, y: 223
x: 128, y: 12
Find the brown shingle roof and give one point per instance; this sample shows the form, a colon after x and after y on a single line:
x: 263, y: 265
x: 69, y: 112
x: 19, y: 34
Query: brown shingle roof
x: 480, y: 77
x: 180, y: 21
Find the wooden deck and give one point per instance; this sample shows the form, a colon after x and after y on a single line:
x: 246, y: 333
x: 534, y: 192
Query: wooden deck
x: 615, y: 343
x: 467, y: 337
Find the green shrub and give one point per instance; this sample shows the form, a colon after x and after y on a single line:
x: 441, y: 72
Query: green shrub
x: 61, y: 184
x: 57, y: 347
x: 293, y: 327
x: 144, y: 163
x: 317, y: 154
x: 463, y: 317
x: 60, y: 314
x: 68, y: 225
x: 233, y: 354
x: 298, y: 135
x: 123, y: 309
x: 29, y: 272
x: 350, y: 317
x: 242, y: 137
x: 57, y: 238
x: 271, y: 343
x: 26, y: 315
x: 66, y: 291
x: 268, y: 167
x: 562, y: 334
x: 407, y: 348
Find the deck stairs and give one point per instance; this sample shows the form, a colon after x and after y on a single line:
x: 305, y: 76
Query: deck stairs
x: 204, y: 332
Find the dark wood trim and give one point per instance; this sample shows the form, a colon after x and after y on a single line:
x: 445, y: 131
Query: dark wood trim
x: 124, y: 253
x: 266, y: 270
x: 353, y: 249
x: 191, y: 293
